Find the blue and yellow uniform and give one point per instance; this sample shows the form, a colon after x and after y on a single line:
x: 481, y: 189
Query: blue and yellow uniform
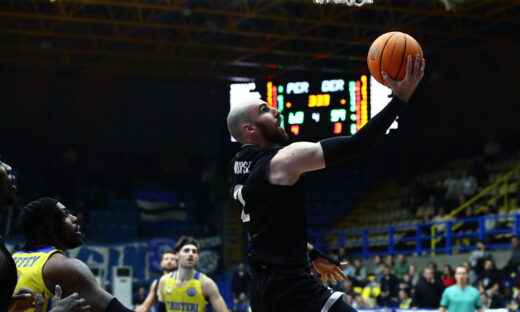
x: 188, y: 298
x: 29, y: 266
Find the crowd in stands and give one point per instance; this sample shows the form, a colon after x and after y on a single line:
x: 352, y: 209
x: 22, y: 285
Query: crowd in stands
x: 397, y: 283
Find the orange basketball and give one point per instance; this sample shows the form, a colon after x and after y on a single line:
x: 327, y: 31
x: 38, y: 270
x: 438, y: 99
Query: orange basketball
x: 389, y: 53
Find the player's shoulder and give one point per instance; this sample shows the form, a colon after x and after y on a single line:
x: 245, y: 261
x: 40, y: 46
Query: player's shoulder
x: 252, y: 152
x: 167, y: 276
x: 59, y: 263
x: 474, y: 290
x: 68, y: 272
x: 207, y: 283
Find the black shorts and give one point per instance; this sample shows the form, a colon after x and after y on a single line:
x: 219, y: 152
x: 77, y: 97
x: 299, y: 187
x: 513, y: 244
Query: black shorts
x: 278, y: 289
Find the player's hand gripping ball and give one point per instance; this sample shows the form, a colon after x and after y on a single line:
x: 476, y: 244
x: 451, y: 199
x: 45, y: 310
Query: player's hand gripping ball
x: 389, y: 53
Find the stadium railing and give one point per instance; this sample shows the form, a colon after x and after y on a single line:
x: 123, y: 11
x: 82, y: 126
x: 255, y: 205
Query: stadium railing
x: 417, y: 237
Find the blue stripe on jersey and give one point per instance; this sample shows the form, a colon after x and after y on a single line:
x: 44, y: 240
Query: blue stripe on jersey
x: 196, y: 276
x: 43, y: 249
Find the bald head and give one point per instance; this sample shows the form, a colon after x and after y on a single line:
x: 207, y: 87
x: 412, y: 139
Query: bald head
x: 240, y: 115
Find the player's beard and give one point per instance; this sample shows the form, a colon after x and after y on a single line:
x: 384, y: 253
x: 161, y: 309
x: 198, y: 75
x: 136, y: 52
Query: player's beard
x: 72, y: 240
x: 276, y: 136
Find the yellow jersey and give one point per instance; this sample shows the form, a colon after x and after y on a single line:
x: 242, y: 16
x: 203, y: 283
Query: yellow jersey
x: 188, y: 298
x: 29, y: 266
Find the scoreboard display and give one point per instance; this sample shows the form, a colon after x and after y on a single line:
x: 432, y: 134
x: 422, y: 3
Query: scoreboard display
x: 312, y: 110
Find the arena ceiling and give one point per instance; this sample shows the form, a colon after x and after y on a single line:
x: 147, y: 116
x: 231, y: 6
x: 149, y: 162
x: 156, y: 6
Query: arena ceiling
x: 234, y: 39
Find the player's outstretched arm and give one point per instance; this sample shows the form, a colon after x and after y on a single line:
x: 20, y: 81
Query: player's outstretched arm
x: 211, y: 292
x: 75, y: 277
x: 292, y: 161
x: 150, y: 300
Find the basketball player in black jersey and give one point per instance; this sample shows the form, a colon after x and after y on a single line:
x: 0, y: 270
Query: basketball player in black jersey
x: 267, y: 188
x: 24, y: 298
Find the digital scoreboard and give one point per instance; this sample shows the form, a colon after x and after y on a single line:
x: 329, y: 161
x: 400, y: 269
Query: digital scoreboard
x: 312, y: 110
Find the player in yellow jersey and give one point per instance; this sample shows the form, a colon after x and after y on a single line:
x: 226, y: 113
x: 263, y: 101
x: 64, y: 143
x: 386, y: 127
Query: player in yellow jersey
x: 24, y: 298
x: 50, y: 229
x: 187, y: 290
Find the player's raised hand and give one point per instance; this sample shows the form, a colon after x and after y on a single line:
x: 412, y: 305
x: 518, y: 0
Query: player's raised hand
x: 329, y: 271
x: 25, y: 298
x: 404, y: 89
x: 72, y: 303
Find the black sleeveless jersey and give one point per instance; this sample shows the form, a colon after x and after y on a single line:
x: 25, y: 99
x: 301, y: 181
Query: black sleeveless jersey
x: 273, y: 215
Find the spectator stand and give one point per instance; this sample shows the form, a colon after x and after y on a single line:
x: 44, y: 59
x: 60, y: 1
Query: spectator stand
x: 502, y: 190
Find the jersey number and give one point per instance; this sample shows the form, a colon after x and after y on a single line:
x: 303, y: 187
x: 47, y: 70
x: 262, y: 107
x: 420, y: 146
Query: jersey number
x: 237, y: 195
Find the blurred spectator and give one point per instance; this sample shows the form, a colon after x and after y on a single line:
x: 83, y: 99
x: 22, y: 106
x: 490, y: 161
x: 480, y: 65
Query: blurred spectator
x: 406, y: 283
x: 360, y: 302
x: 414, y: 274
x: 450, y: 183
x: 489, y: 303
x: 436, y: 273
x: 490, y: 224
x: 514, y: 305
x: 347, y: 287
x: 342, y: 254
x: 514, y: 260
x: 489, y: 280
x: 379, y: 267
x: 467, y: 185
x: 448, y: 277
x: 360, y: 273
x: 428, y: 291
x: 472, y: 275
x: 389, y: 260
x: 401, y: 267
x: 389, y: 289
x: 240, y: 281
x: 404, y: 300
x: 348, y: 271
x: 139, y: 296
x: 440, y: 217
x: 478, y: 256
x: 371, y: 291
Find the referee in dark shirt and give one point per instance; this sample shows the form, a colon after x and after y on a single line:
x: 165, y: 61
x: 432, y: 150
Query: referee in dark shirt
x: 266, y: 185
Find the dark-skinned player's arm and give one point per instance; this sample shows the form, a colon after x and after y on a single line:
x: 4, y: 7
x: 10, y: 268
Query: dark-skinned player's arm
x: 329, y: 269
x: 75, y: 277
x: 150, y: 300
x: 286, y: 167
